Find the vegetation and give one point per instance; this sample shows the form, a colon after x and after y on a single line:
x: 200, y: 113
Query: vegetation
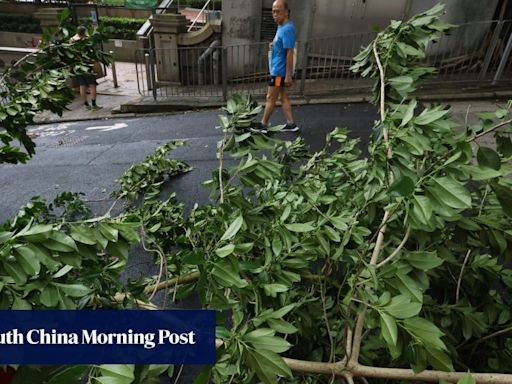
x: 19, y: 22
x: 118, y: 27
x: 334, y: 265
x: 38, y: 82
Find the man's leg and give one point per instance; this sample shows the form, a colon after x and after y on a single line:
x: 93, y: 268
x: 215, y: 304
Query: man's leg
x: 83, y: 96
x: 270, y: 105
x: 287, y: 111
x: 286, y: 105
x: 92, y: 89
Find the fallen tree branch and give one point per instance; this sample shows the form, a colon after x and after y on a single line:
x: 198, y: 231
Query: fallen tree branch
x: 358, y: 370
x: 397, y: 250
x: 490, y: 130
x: 459, y: 281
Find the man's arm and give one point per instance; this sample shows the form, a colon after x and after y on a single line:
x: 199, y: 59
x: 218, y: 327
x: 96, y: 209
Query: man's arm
x: 289, y: 67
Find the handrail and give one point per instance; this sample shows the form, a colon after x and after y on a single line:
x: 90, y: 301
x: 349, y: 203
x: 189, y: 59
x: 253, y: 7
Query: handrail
x: 197, y: 17
x: 145, y: 29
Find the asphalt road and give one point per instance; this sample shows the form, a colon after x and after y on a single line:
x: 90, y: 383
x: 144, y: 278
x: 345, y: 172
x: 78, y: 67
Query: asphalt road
x: 88, y: 156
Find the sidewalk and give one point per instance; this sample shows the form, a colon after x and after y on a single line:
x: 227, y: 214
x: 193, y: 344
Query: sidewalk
x: 127, y: 95
x: 109, y: 97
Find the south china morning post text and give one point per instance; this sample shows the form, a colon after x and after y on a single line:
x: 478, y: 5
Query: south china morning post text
x: 107, y: 337
x: 149, y: 340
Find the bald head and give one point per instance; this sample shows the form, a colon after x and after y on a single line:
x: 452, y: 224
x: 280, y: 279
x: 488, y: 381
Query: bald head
x: 280, y: 11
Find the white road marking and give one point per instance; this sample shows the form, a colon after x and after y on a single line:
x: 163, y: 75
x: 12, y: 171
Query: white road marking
x: 105, y: 128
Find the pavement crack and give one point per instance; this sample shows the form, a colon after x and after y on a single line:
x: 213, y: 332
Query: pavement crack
x: 101, y: 153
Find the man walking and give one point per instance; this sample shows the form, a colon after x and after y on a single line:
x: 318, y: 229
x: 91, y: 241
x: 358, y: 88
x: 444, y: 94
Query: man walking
x: 281, y: 67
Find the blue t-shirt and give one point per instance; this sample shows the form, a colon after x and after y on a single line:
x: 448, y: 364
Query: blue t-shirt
x: 284, y: 39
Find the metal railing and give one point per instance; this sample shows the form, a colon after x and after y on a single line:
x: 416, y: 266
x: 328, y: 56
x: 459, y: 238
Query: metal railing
x: 472, y: 53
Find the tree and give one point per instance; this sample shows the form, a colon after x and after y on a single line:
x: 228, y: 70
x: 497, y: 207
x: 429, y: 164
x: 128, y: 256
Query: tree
x: 387, y: 266
x: 38, y: 82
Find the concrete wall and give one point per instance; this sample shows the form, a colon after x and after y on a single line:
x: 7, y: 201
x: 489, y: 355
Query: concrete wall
x: 241, y: 21
x: 325, y: 18
x: 18, y: 39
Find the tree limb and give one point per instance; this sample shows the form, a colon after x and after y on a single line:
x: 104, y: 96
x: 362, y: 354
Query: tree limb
x: 397, y: 250
x: 490, y: 130
x: 459, y: 281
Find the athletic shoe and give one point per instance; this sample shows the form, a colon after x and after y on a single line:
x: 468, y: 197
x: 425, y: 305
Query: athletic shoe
x: 290, y: 127
x: 95, y: 107
x: 258, y: 128
x: 87, y: 107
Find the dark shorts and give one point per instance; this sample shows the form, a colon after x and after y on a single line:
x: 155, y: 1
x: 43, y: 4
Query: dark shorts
x: 276, y: 81
x: 87, y: 80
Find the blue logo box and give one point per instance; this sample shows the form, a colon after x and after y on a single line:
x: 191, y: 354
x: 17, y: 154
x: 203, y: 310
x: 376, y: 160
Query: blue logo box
x: 107, y: 337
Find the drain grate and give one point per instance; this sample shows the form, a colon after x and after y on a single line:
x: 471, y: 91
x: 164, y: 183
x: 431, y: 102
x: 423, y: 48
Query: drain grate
x: 67, y: 142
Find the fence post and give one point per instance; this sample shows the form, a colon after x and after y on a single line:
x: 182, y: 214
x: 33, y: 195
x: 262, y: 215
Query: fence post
x: 504, y: 60
x: 224, y: 74
x: 114, y: 72
x: 152, y: 70
x: 304, y: 65
x: 490, y: 50
x: 148, y: 71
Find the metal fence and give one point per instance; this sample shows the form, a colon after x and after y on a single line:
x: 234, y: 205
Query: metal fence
x: 472, y: 53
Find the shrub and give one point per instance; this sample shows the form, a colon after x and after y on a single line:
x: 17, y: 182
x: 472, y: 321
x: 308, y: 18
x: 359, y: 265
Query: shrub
x: 19, y: 22
x: 120, y: 27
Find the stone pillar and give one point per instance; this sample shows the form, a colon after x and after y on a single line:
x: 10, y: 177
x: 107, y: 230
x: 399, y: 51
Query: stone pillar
x: 49, y: 17
x: 166, y: 28
x: 241, y: 29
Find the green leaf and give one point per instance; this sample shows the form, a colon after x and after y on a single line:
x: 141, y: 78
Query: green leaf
x: 267, y: 365
x: 281, y: 326
x: 504, y: 196
x: 82, y: 235
x: 408, y: 286
x: 401, y: 187
x: 225, y: 251
x: 428, y: 116
x: 66, y: 375
x: 16, y: 272
x: 58, y: 241
x: 49, y: 296
x: 224, y: 274
x: 64, y: 270
x: 439, y: 359
x: 299, y: 227
x: 487, y: 157
x: 73, y: 290
x: 389, y: 328
x: 427, y: 332
x: 233, y: 228
x: 409, y: 113
x: 467, y: 379
x: 339, y: 223
x: 421, y: 209
x: 273, y: 289
x: 120, y: 370
x: 19, y: 303
x: 451, y: 192
x: 28, y: 260
x: 504, y: 145
x: 401, y: 307
x: 4, y: 236
x: 111, y: 234
x: 269, y: 343
x: 38, y: 233
x: 423, y: 260
x: 480, y: 172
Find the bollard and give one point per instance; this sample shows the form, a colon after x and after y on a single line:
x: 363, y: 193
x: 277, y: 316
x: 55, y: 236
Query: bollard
x: 148, y: 73
x: 114, y: 73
